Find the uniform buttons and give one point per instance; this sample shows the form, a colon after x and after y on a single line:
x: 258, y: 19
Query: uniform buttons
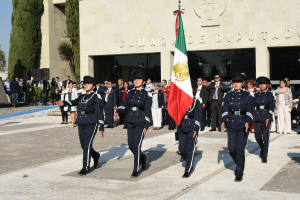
x: 189, y: 122
x: 233, y: 120
x: 133, y: 96
x: 231, y: 103
x: 137, y: 114
x: 232, y: 98
x: 131, y: 100
x: 139, y: 97
x: 134, y: 92
x: 239, y: 103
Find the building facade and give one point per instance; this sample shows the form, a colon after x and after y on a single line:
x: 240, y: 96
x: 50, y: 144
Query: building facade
x: 261, y: 38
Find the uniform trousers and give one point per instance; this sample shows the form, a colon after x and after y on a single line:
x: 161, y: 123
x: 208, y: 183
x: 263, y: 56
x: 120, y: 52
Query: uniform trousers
x: 86, y: 137
x: 216, y: 113
x: 284, y: 116
x: 156, y: 117
x: 187, y: 145
x: 237, y: 142
x: 109, y: 115
x: 135, y: 134
x: 203, y: 116
x: 262, y: 136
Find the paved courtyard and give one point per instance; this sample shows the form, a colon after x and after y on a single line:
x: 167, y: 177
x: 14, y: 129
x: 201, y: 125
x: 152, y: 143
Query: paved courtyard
x: 40, y: 158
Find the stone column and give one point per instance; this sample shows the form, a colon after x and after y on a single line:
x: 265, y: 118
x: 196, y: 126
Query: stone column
x: 262, y: 57
x: 166, y: 64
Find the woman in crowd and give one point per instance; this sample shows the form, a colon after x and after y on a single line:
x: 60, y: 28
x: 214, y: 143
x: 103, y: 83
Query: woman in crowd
x: 64, y: 114
x: 250, y: 88
x: 72, y: 95
x: 138, y: 100
x: 157, y: 105
x: 284, y: 104
x: 53, y: 91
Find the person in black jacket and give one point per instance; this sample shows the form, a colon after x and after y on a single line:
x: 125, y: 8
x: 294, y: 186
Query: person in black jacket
x: 217, y: 90
x: 14, y: 89
x: 123, y: 91
x: 54, y: 90
x: 90, y: 118
x: 202, y: 95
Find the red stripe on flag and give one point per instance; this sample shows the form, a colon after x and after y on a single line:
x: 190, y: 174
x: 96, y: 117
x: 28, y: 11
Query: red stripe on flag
x: 179, y: 102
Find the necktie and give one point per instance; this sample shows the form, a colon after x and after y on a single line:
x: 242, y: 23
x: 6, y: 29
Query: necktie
x: 216, y: 92
x: 107, y: 95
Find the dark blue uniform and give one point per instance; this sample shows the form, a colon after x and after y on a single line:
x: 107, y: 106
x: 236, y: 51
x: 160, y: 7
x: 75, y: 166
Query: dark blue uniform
x: 90, y: 118
x: 138, y: 118
x: 265, y: 105
x: 189, y: 124
x: 237, y: 110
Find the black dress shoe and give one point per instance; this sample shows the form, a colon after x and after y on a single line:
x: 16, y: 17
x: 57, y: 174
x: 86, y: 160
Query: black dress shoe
x: 213, y: 129
x: 298, y: 133
x: 135, y: 174
x: 124, y: 127
x: 264, y: 160
x: 186, y: 175
x: 109, y: 127
x: 238, y: 178
x: 84, y: 172
x: 202, y: 129
x: 144, y: 162
x: 97, y: 161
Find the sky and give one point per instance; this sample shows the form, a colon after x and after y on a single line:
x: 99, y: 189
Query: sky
x: 5, y: 26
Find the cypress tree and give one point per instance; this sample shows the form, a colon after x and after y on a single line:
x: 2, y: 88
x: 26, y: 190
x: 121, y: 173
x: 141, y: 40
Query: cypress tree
x: 72, y: 22
x: 25, y: 38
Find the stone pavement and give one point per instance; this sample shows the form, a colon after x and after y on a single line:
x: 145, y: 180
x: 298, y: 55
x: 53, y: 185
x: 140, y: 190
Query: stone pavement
x: 39, y: 158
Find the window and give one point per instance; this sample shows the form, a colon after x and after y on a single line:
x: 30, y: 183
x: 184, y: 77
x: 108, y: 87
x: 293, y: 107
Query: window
x: 121, y: 66
x: 206, y: 64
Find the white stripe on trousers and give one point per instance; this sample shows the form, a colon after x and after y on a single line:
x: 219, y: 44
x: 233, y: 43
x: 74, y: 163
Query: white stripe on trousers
x: 88, y: 157
x: 139, y: 149
x: 193, y: 154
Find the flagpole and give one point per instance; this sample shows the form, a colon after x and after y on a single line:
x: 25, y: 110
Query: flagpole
x: 179, y: 5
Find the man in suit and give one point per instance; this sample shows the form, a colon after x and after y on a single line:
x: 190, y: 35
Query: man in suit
x: 207, y: 106
x: 163, y: 110
x: 14, y: 89
x: 110, y: 103
x: 119, y: 97
x: 66, y: 82
x: 202, y: 95
x: 216, y: 98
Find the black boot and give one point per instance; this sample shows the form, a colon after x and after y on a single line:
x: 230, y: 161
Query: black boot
x: 186, y: 175
x: 84, y: 171
x: 238, y: 178
x: 96, y: 161
x: 264, y: 160
x: 144, y: 162
x: 135, y: 174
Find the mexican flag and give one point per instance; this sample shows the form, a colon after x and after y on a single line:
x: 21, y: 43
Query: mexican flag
x: 181, y: 95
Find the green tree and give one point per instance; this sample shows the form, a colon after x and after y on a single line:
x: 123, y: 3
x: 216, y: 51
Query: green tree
x: 2, y: 60
x: 72, y: 22
x: 25, y: 38
x: 66, y: 54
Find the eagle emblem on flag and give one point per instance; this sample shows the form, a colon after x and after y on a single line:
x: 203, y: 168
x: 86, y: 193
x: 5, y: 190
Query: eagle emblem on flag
x: 181, y: 71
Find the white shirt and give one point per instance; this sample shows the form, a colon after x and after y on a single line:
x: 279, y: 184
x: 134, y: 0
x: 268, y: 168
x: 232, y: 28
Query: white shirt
x: 198, y: 93
x: 155, y: 100
x: 106, y: 96
x: 149, y: 87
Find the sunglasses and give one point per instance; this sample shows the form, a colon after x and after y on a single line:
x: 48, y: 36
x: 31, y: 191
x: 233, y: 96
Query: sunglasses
x: 217, y: 77
x: 155, y: 85
x: 105, y: 83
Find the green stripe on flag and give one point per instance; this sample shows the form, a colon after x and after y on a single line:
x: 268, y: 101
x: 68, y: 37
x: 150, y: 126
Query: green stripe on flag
x: 180, y: 40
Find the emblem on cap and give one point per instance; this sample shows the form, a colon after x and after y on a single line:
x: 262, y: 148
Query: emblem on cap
x: 181, y: 71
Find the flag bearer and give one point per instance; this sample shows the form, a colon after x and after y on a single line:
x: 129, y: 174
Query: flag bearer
x: 265, y: 105
x: 139, y: 102
x: 188, y: 134
x: 237, y: 112
x: 89, y: 120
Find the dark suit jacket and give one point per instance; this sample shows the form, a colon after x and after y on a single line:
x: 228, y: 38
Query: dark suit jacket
x: 119, y: 94
x: 204, y: 94
x: 160, y: 99
x: 65, y: 82
x: 223, y: 89
x: 14, y: 87
x: 112, y: 98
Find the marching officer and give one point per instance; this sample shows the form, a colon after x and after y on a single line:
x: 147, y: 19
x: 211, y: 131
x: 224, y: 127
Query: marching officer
x: 265, y: 105
x: 90, y: 118
x: 237, y: 112
x: 138, y: 118
x: 188, y: 133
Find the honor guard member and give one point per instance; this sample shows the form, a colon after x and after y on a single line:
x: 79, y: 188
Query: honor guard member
x: 265, y: 105
x: 237, y: 112
x: 89, y: 120
x: 188, y: 133
x: 139, y: 102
